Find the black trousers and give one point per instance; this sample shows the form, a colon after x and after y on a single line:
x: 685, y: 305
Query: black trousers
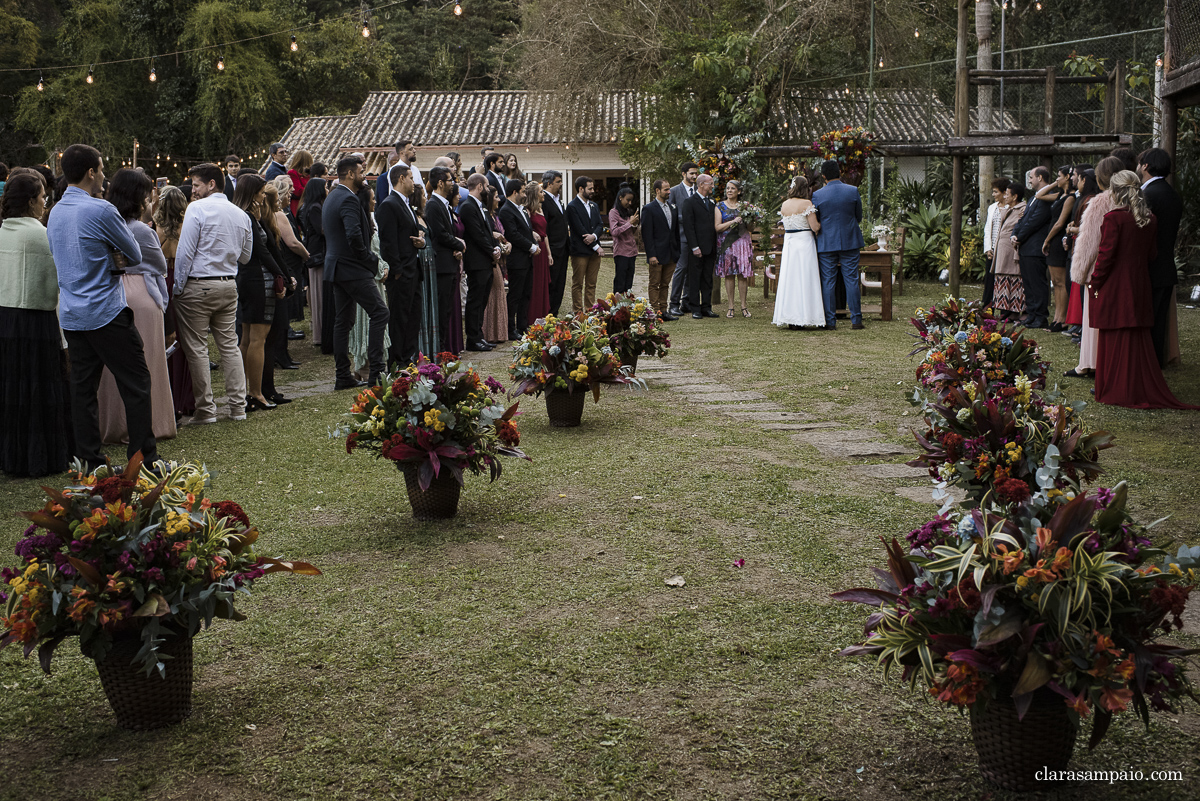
x: 1161, y: 301
x: 623, y: 280
x: 479, y: 284
x: 447, y: 294
x: 327, y: 315
x: 558, y: 278
x: 520, y: 290
x: 275, y: 348
x: 404, y: 323
x: 119, y: 347
x: 347, y: 295
x: 700, y: 280
x: 989, y: 284
x: 1036, y: 278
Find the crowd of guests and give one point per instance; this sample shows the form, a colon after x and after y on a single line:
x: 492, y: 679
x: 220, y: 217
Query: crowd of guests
x: 1099, y: 241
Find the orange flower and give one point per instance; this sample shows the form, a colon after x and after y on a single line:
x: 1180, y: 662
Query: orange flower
x: 1104, y: 645
x: 1012, y: 560
x: 1126, y: 669
x: 1040, y: 573
x: 1080, y: 705
x: 1062, y: 561
x: 1115, y: 700
x: 1045, y: 538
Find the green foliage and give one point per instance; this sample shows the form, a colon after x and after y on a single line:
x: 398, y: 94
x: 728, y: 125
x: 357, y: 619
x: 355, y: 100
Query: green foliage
x: 928, y: 235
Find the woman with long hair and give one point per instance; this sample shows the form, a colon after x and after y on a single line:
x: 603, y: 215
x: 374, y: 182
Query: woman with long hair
x: 1056, y: 253
x: 168, y: 222
x: 299, y: 170
x: 539, y: 299
x: 735, y: 253
x: 1087, y: 249
x: 146, y: 294
x: 260, y: 285
x: 1127, y: 371
x: 1084, y: 180
x: 623, y: 223
x: 1009, y: 295
x: 35, y: 419
x: 275, y: 349
x: 798, y: 301
x: 314, y: 241
x: 512, y: 169
x: 427, y: 333
x: 495, y: 315
x: 294, y: 256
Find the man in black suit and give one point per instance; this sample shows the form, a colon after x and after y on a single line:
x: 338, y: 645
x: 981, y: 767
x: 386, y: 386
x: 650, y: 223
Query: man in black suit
x: 660, y: 235
x: 447, y: 248
x: 583, y: 218
x: 1154, y: 165
x: 557, y: 233
x: 278, y: 164
x: 519, y: 232
x: 1028, y: 236
x: 492, y: 172
x: 399, y: 241
x: 686, y: 187
x: 352, y: 267
x: 232, y: 165
x: 482, y: 252
x: 700, y: 229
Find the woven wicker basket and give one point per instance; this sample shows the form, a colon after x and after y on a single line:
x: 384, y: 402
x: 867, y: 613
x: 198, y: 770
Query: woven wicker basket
x: 148, y: 702
x: 439, y: 502
x: 565, y: 408
x: 631, y: 361
x: 1011, y: 752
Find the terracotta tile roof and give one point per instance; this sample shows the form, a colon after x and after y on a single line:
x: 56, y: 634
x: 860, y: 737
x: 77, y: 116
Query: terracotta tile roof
x: 902, y: 116
x: 323, y: 137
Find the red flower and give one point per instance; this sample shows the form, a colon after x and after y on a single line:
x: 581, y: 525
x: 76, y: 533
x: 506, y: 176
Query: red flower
x: 507, y: 433
x: 1013, y: 490
x: 112, y: 488
x: 230, y: 509
x: 352, y: 441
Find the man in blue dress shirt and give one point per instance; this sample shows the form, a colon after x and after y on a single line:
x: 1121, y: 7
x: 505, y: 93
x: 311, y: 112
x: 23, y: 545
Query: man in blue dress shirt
x: 86, y: 235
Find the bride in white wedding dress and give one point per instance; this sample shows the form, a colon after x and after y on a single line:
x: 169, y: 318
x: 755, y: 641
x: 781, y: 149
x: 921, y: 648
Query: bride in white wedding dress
x: 798, y: 302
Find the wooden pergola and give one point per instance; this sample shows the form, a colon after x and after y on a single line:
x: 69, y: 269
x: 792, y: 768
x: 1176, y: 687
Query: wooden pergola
x: 1181, y: 67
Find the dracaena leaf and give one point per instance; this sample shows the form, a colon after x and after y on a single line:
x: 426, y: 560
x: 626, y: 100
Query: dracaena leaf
x: 87, y: 571
x: 865, y: 595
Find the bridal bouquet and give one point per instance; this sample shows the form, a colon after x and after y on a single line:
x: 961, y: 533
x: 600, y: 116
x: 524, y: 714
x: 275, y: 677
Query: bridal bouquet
x: 436, y: 415
x: 632, y: 326
x: 138, y: 551
x: 568, y: 355
x: 1070, y: 597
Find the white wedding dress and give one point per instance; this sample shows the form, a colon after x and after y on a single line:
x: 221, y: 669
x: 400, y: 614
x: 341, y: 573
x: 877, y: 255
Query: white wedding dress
x: 798, y: 300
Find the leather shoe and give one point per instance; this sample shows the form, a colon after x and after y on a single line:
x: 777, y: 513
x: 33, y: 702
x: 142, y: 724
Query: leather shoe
x: 294, y: 334
x: 349, y: 383
x: 709, y: 313
x: 279, y: 400
x: 479, y: 346
x: 857, y: 327
x: 831, y: 327
x: 697, y: 316
x: 293, y: 365
x: 669, y: 317
x: 674, y: 310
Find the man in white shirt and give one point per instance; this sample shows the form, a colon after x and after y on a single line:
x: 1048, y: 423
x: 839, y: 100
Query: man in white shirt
x: 215, y: 238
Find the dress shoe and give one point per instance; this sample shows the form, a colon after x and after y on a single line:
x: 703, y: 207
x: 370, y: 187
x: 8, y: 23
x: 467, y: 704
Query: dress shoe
x: 709, y: 313
x: 857, y: 327
x: 287, y: 365
x: 279, y: 400
x: 479, y: 346
x: 697, y: 316
x: 668, y: 317
x: 294, y: 334
x: 254, y: 404
x: 213, y: 366
x: 831, y: 327
x: 348, y: 383
x: 1056, y: 327
x: 675, y: 312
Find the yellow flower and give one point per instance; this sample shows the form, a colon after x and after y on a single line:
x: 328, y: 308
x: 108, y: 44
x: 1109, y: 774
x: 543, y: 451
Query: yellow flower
x: 971, y: 390
x: 434, y: 421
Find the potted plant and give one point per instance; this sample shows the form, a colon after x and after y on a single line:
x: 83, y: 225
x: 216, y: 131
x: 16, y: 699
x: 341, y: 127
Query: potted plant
x: 633, y: 327
x: 134, y: 564
x: 881, y: 233
x: 435, y: 420
x: 1033, y: 619
x: 563, y: 359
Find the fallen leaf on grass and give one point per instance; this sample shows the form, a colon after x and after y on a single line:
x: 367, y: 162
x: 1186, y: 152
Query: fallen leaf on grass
x: 739, y: 563
x: 675, y: 581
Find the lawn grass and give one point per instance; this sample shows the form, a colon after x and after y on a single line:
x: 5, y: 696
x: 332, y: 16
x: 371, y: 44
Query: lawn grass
x: 529, y: 649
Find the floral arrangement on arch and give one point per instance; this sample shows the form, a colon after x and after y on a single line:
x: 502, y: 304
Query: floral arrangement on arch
x: 1069, y: 598
x: 850, y: 147
x: 130, y: 552
x: 439, y: 416
x: 570, y: 354
x: 633, y: 327
x: 714, y: 158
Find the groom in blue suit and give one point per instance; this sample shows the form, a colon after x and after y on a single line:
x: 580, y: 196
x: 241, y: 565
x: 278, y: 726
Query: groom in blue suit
x: 840, y: 208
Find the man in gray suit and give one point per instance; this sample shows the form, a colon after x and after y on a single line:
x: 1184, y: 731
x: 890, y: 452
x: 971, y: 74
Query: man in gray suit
x: 840, y: 208
x: 679, y: 193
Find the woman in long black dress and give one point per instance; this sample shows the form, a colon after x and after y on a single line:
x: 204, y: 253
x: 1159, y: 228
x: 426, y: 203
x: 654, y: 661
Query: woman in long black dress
x: 260, y: 283
x: 34, y: 410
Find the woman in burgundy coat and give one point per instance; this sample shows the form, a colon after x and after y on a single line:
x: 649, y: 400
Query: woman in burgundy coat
x: 1127, y: 371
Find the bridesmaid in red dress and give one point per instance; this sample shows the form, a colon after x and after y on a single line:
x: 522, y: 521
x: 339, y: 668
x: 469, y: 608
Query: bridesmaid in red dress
x: 1127, y: 371
x: 539, y: 301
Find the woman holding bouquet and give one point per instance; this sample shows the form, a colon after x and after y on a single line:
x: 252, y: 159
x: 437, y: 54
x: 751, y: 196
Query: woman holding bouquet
x: 735, y: 256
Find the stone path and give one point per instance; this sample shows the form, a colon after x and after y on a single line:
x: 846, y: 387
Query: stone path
x: 832, y: 439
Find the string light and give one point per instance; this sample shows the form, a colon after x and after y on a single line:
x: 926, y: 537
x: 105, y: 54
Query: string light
x: 457, y: 10
x: 153, y: 76
x: 295, y: 46
x: 366, y: 29
x: 1038, y: 6
x: 41, y: 86
x: 221, y: 62
x: 90, y: 76
x: 916, y: 33
x: 881, y: 62
x: 1158, y: 62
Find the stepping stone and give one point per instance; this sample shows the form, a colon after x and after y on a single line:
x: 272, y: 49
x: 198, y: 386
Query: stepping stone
x: 655, y: 366
x: 680, y: 378
x: 847, y: 435
x: 725, y: 397
x: 847, y: 444
x: 703, y: 388
x: 768, y: 417
x: 765, y: 406
x: 925, y: 494
x: 798, y: 426
x: 890, y: 471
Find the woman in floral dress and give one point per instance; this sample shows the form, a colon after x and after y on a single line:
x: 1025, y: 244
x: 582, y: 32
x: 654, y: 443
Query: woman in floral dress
x: 735, y: 256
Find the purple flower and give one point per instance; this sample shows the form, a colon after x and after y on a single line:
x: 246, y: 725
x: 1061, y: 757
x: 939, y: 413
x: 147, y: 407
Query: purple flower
x: 125, y: 562
x: 1104, y: 496
x: 155, y: 574
x: 8, y: 574
x: 493, y: 384
x: 936, y: 532
x: 64, y: 566
x: 37, y: 546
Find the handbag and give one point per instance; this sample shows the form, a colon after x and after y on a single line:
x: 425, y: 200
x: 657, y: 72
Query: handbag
x: 280, y: 284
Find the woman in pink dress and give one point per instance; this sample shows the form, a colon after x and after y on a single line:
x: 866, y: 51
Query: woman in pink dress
x: 539, y: 299
x: 495, y: 315
x: 1083, y: 260
x: 735, y: 255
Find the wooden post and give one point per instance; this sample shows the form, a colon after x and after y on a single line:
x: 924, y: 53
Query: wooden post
x: 962, y: 89
x: 1048, y: 123
x: 1118, y: 92
x: 1170, y: 133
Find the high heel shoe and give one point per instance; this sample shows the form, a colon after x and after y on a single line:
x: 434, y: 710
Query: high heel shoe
x: 254, y: 404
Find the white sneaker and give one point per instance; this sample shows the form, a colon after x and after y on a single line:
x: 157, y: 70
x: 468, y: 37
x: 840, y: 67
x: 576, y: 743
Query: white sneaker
x: 237, y: 417
x: 201, y: 421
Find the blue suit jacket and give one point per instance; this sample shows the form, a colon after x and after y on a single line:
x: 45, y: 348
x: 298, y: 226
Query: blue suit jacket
x: 840, y: 207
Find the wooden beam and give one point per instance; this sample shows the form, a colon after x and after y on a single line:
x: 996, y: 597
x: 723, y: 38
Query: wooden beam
x: 1180, y: 82
x: 1060, y: 79
x: 1035, y: 73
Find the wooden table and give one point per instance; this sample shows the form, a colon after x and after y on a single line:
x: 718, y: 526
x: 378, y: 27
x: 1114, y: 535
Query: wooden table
x: 879, y: 262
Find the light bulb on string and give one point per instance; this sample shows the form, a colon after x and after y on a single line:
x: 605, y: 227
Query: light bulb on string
x: 1038, y: 6
x: 295, y: 46
x: 90, y: 76
x: 366, y: 30
x: 221, y: 62
x: 916, y: 33
x: 880, y: 63
x: 153, y: 76
x: 457, y: 10
x: 1158, y: 62
x: 41, y: 85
